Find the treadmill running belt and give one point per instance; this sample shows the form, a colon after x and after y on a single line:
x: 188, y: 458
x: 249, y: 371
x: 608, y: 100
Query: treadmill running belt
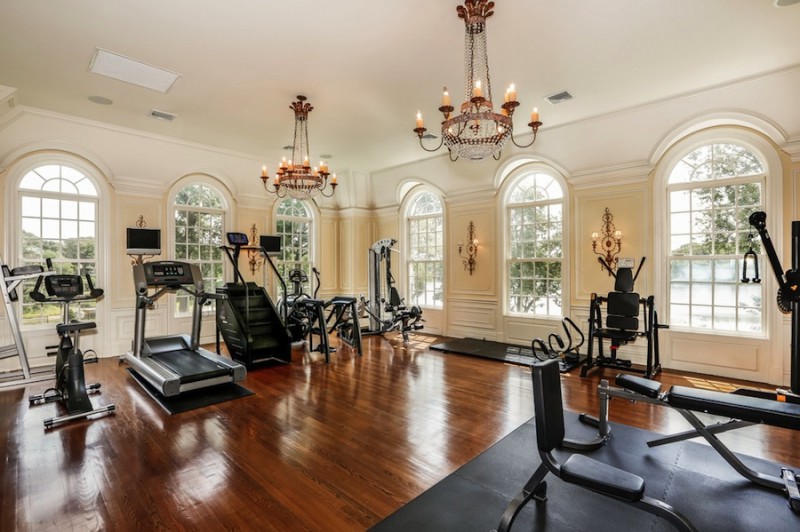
x: 191, y: 366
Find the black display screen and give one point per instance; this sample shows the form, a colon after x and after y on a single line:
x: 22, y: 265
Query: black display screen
x: 270, y: 243
x: 143, y: 241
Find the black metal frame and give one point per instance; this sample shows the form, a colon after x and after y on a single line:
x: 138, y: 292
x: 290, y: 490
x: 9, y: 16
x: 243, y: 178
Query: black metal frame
x: 597, y: 332
x: 579, y: 470
x: 70, y: 386
x: 789, y: 292
x: 707, y: 431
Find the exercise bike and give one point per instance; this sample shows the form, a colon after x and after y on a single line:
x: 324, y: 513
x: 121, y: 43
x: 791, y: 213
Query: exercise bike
x: 70, y: 387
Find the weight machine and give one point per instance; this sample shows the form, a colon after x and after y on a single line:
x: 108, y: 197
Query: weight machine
x: 385, y: 307
x: 621, y: 326
x: 788, y: 300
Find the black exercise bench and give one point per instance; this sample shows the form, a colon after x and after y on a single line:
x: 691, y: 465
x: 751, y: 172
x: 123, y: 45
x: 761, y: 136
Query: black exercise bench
x: 741, y: 409
x: 578, y: 469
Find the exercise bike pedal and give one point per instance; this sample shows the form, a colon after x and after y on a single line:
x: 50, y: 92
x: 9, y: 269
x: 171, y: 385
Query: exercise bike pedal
x: 44, y: 398
x: 93, y: 388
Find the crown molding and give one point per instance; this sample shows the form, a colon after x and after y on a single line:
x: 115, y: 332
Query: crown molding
x: 619, y: 175
x: 792, y: 147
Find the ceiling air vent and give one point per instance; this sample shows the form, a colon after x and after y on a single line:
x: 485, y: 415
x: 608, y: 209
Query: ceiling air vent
x: 163, y: 115
x: 562, y: 96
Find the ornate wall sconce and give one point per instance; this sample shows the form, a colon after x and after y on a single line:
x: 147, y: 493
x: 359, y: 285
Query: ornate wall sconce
x: 253, y: 253
x: 472, y: 249
x: 610, y: 240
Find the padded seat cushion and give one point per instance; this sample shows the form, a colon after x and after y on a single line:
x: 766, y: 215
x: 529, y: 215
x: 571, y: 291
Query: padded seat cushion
x: 617, y: 334
x: 603, y: 478
x: 646, y: 387
x: 753, y: 409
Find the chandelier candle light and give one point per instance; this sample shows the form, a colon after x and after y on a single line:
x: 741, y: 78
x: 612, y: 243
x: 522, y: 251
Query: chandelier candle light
x: 300, y: 180
x: 478, y: 131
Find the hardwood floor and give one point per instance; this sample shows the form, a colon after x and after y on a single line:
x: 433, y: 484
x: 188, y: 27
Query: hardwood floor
x: 318, y: 447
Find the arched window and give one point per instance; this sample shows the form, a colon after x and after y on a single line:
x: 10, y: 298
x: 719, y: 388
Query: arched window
x: 425, y: 251
x: 199, y: 228
x: 58, y: 208
x: 294, y: 224
x: 711, y: 192
x: 534, y: 228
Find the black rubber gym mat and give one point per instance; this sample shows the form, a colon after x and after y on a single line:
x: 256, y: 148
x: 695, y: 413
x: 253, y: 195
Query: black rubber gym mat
x: 494, y: 350
x: 487, y: 349
x: 195, y: 398
x: 690, y: 476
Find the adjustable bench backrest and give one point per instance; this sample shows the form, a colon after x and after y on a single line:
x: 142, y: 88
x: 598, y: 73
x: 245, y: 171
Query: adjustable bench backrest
x: 622, y: 305
x: 548, y: 406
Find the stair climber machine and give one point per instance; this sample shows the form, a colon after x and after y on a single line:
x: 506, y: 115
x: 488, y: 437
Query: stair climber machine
x: 176, y: 363
x: 70, y: 386
x: 385, y: 307
x: 247, y: 319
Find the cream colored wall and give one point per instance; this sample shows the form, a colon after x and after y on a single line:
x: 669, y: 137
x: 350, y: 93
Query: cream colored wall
x: 471, y: 302
x: 609, y: 161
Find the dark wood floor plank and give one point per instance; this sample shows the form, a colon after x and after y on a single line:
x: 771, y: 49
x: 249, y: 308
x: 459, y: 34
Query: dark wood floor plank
x: 318, y: 447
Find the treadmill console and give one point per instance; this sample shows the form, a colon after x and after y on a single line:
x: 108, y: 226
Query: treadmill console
x: 238, y: 239
x: 168, y: 273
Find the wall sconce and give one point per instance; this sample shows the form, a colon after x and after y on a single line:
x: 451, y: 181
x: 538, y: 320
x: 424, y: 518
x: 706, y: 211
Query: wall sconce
x: 610, y: 239
x: 472, y: 249
x: 253, y: 251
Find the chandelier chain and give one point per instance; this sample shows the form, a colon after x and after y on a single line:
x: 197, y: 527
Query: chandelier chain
x: 479, y: 131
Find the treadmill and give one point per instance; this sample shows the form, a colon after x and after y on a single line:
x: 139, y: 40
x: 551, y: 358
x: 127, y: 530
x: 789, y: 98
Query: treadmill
x: 176, y: 363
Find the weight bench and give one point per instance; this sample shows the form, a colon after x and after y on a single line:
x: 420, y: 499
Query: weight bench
x: 578, y: 469
x: 742, y: 411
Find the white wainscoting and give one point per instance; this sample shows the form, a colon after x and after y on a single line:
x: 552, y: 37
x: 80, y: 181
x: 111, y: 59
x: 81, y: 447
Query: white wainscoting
x: 434, y: 321
x: 740, y: 358
x: 472, y: 318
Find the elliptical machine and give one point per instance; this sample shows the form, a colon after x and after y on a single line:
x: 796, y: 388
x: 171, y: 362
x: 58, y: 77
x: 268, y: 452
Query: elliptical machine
x: 305, y: 315
x: 70, y: 386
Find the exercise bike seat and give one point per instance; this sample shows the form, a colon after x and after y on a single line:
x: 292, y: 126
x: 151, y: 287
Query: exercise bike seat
x: 75, y: 326
x: 646, y: 387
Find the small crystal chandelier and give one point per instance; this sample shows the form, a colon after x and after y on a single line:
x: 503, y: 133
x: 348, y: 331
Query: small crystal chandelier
x: 478, y: 131
x: 300, y: 180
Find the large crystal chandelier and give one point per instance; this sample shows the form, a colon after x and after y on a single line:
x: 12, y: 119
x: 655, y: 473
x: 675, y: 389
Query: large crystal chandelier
x: 478, y: 131
x: 295, y: 177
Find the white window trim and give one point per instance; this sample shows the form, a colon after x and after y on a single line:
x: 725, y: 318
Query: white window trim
x: 405, y: 208
x: 227, y: 218
x: 509, y: 182
x: 314, y: 246
x: 12, y: 213
x: 773, y: 193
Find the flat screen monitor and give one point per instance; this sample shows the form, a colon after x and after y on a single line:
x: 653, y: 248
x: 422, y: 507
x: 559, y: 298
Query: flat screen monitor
x: 270, y: 243
x: 143, y: 241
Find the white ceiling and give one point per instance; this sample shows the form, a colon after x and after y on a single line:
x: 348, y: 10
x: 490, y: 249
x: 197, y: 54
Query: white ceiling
x: 368, y: 65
